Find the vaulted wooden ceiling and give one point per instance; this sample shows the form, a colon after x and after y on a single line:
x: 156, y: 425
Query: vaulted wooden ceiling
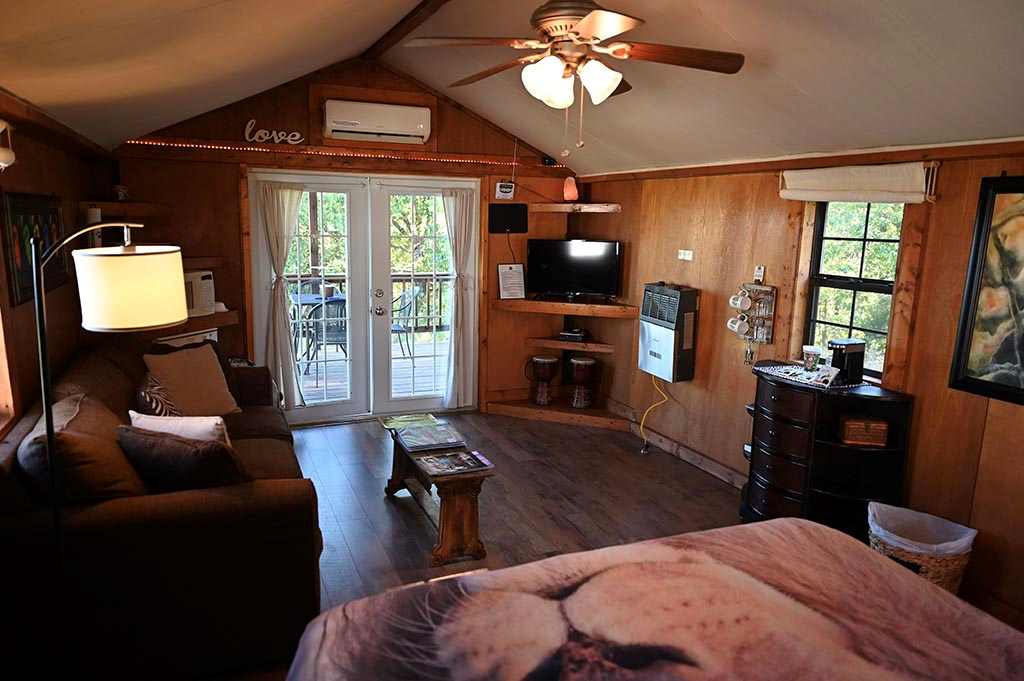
x: 822, y: 76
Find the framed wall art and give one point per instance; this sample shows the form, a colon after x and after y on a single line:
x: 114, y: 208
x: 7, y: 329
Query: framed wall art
x: 989, y: 355
x: 23, y: 216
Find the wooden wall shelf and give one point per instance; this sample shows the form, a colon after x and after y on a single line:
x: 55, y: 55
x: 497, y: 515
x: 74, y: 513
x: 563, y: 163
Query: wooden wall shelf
x: 204, y: 263
x: 586, y: 346
x: 559, y: 412
x: 575, y: 208
x: 611, y: 311
x: 217, y: 320
x: 122, y: 209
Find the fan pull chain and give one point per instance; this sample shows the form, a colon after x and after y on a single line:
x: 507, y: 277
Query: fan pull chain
x: 579, y: 131
x: 565, y: 136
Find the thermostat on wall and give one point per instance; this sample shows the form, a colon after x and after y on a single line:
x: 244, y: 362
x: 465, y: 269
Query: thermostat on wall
x: 504, y: 190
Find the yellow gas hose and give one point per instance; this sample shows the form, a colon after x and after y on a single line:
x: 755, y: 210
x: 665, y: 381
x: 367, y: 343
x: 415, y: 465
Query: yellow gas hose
x: 643, y: 419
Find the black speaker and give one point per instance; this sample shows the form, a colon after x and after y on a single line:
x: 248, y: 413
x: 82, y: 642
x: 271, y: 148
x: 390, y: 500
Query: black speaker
x: 505, y: 218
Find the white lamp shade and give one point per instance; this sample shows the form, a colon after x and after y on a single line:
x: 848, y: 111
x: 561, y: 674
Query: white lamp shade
x: 599, y: 80
x: 130, y: 288
x: 544, y: 80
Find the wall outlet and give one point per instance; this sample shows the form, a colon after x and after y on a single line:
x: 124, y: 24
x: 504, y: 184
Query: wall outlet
x: 685, y: 255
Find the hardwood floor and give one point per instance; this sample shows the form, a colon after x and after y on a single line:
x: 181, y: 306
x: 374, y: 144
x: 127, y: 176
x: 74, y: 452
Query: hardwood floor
x: 557, y: 489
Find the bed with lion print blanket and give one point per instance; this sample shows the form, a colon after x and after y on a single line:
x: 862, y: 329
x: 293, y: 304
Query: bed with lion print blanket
x: 784, y: 599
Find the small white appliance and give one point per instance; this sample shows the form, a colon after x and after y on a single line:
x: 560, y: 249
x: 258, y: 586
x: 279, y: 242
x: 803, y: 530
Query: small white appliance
x: 369, y: 121
x: 200, y: 295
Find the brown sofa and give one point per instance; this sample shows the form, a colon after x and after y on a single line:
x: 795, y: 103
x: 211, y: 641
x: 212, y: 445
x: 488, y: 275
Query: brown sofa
x: 179, y: 584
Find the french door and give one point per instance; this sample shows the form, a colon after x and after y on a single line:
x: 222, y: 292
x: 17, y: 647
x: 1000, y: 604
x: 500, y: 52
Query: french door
x: 370, y: 283
x: 412, y: 278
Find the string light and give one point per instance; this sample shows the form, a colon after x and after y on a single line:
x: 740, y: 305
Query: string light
x: 432, y: 158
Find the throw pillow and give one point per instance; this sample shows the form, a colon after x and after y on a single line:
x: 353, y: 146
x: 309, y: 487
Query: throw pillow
x: 92, y: 465
x: 192, y: 427
x: 194, y: 381
x: 152, y: 398
x: 169, y: 463
x: 225, y: 363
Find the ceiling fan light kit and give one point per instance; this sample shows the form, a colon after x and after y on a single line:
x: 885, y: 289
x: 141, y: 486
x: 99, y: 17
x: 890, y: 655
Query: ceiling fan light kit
x: 546, y: 80
x: 569, y: 37
x: 599, y: 80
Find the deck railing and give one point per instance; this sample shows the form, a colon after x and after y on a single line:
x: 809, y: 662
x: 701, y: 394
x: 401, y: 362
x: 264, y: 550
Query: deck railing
x: 431, y: 305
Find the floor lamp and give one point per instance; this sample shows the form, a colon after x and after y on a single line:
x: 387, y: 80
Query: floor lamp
x: 122, y: 289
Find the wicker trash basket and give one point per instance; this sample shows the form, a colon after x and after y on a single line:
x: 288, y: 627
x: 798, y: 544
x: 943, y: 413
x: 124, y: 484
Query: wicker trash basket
x: 934, y: 548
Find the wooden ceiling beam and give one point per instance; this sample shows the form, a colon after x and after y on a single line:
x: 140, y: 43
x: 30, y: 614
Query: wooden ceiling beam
x: 409, y: 23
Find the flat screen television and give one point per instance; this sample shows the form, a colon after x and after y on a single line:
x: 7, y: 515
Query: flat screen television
x: 569, y: 267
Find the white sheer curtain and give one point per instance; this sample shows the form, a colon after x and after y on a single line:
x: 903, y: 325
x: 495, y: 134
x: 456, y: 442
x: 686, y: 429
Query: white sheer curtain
x: 464, y: 237
x: 279, y: 208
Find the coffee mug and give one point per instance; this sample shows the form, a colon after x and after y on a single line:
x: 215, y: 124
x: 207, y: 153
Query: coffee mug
x: 739, y: 325
x: 740, y: 301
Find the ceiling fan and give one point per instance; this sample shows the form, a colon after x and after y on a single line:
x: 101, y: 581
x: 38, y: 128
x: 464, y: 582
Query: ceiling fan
x: 570, y: 38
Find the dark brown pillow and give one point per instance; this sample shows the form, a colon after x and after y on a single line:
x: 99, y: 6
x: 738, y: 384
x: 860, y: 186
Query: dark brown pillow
x: 92, y: 466
x: 170, y: 463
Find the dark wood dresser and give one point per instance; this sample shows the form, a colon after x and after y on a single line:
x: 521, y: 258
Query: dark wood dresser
x: 799, y: 465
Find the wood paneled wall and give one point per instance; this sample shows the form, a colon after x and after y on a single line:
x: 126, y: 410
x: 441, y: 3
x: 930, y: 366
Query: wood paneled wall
x: 42, y: 167
x: 965, y: 462
x: 731, y: 223
x: 200, y: 188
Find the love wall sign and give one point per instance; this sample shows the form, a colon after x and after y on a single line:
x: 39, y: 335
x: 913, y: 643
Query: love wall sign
x: 254, y: 134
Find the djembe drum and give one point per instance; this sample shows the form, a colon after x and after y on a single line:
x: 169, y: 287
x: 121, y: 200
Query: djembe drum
x: 584, y: 373
x: 541, y: 370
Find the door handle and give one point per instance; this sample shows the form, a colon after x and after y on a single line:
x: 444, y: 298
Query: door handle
x: 378, y: 293
x: 378, y: 310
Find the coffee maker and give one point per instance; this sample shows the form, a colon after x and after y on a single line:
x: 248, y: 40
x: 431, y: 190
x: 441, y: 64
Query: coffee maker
x: 848, y: 357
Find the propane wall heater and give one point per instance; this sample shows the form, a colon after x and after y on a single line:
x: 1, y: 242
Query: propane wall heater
x: 668, y: 331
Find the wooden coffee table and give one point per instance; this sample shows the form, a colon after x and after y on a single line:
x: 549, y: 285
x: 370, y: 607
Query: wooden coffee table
x: 458, y: 518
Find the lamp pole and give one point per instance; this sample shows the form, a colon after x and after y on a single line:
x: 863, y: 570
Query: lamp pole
x: 39, y: 259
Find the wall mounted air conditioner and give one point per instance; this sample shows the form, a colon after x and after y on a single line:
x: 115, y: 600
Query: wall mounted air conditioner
x: 344, y: 120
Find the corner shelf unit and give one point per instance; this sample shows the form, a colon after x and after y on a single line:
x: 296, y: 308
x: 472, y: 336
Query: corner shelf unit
x: 559, y: 411
x: 607, y: 310
x: 575, y: 346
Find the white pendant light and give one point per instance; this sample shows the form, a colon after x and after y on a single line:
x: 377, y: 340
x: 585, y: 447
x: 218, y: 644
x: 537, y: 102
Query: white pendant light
x: 545, y: 80
x: 599, y: 80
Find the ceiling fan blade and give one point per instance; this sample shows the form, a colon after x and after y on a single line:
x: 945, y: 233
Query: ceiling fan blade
x: 498, y: 69
x: 516, y: 43
x: 602, y: 24
x: 690, y: 57
x: 623, y: 88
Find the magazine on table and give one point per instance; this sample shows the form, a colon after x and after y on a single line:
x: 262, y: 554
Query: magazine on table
x: 418, y: 438
x: 454, y: 463
x: 395, y: 422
